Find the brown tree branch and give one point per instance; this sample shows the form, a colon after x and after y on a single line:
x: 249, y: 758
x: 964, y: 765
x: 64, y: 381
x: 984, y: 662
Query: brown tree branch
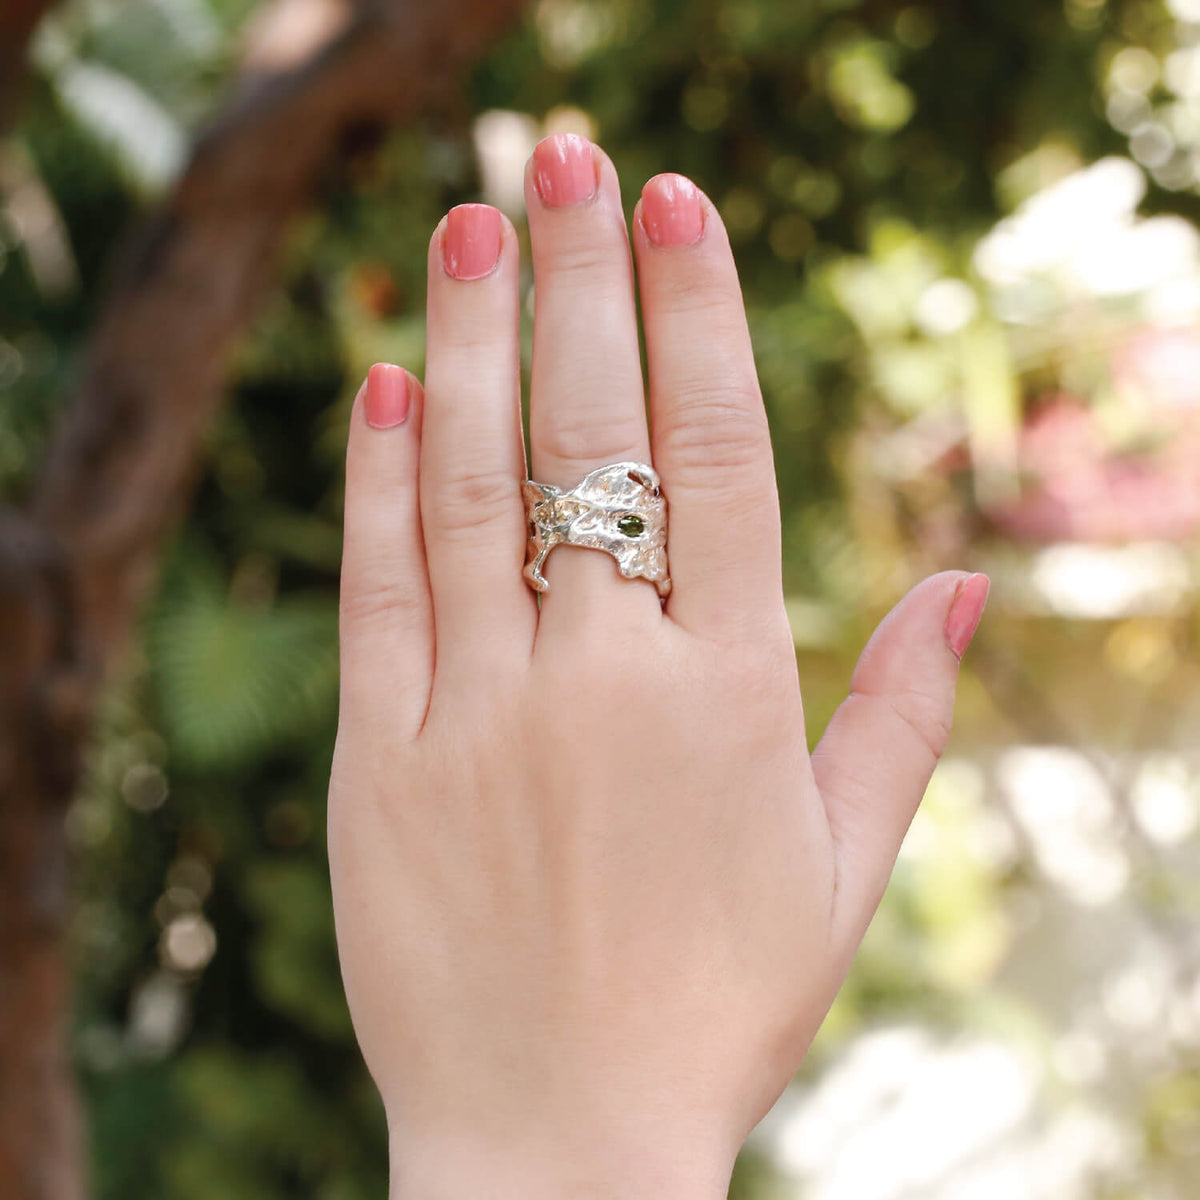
x: 18, y: 20
x: 119, y: 472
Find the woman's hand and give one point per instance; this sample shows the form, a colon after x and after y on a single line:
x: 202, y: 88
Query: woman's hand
x: 593, y: 897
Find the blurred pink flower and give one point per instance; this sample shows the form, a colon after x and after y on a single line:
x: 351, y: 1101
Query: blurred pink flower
x: 1160, y: 366
x: 1075, y: 486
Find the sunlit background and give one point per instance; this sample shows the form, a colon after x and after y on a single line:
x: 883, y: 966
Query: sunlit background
x: 966, y: 236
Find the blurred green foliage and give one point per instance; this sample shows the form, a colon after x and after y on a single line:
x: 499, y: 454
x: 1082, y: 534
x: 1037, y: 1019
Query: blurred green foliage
x: 857, y: 150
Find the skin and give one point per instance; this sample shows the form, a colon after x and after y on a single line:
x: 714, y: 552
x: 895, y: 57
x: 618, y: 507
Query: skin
x: 593, y: 896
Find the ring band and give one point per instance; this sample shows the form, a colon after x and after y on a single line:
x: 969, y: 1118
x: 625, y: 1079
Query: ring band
x: 619, y: 509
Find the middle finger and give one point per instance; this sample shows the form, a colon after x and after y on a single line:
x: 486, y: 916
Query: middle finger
x: 587, y: 406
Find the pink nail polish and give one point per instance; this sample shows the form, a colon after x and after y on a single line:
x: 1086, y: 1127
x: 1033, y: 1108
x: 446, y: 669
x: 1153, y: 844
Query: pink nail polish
x: 965, y: 610
x: 386, y: 401
x: 471, y: 241
x: 564, y: 171
x: 671, y: 211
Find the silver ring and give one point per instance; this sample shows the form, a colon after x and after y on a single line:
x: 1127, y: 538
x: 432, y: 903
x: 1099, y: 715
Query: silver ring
x: 619, y: 509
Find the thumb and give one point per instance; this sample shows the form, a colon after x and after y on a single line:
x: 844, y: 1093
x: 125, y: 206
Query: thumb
x: 874, y: 762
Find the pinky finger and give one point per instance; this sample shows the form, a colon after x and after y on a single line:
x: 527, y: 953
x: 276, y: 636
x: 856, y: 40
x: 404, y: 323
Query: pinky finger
x: 386, y: 621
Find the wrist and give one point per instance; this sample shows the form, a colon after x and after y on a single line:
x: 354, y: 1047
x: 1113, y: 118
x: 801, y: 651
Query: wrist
x: 590, y: 1167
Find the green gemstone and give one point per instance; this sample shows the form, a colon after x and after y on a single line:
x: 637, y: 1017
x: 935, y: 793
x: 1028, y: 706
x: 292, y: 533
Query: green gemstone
x: 632, y: 526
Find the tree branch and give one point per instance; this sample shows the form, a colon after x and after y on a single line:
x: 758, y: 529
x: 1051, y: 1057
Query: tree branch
x: 120, y: 470
x: 18, y: 20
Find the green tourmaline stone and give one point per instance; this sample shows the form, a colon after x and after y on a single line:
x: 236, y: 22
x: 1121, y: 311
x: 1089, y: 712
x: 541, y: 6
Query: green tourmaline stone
x: 632, y: 526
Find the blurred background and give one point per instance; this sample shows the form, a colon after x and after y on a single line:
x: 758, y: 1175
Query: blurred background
x: 966, y: 234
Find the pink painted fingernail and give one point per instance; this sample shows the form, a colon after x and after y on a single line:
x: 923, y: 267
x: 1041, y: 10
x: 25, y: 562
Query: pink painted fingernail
x: 386, y: 401
x: 471, y: 242
x: 671, y: 211
x: 965, y: 610
x: 564, y: 171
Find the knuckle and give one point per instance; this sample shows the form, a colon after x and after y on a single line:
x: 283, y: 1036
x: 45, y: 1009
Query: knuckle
x: 925, y: 715
x: 469, y: 334
x: 592, y: 257
x: 698, y: 295
x: 470, y: 501
x: 399, y: 602
x: 587, y: 435
x: 718, y: 426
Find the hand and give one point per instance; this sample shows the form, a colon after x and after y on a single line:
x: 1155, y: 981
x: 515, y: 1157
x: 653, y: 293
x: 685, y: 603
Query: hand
x: 593, y: 898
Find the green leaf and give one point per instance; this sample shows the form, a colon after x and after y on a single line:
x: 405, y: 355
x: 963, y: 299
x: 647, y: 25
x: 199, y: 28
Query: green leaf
x: 235, y: 682
x: 294, y: 956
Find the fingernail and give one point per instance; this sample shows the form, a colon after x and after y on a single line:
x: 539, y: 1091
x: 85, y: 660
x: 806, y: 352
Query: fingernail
x: 564, y: 171
x: 671, y: 211
x: 471, y: 242
x: 965, y: 610
x: 386, y: 401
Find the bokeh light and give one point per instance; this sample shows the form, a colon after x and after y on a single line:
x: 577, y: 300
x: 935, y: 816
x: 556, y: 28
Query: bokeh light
x: 969, y: 251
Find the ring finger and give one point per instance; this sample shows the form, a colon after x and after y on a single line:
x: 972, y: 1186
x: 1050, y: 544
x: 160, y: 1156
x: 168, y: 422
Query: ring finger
x: 587, y: 406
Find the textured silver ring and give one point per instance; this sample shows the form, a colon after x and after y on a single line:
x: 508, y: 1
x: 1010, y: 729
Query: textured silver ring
x: 619, y: 509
